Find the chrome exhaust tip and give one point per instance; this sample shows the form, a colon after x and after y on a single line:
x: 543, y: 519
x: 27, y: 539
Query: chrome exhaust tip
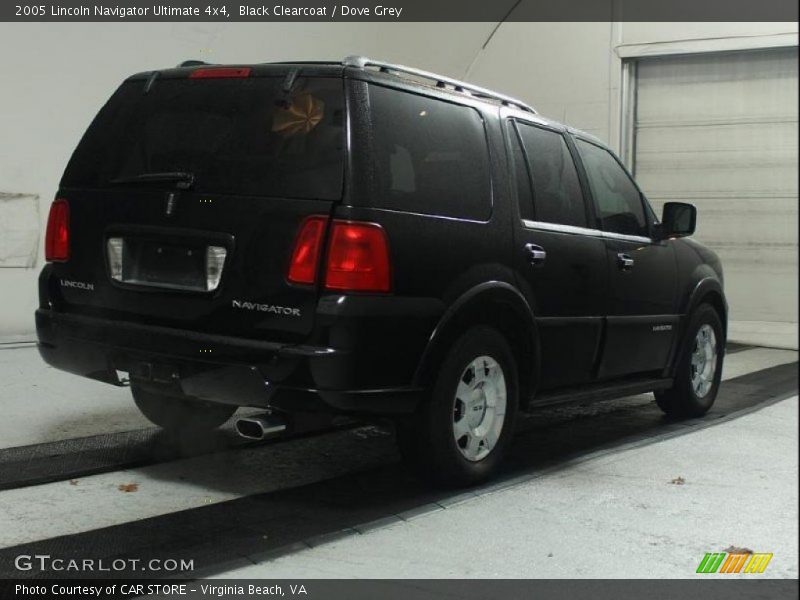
x: 260, y: 427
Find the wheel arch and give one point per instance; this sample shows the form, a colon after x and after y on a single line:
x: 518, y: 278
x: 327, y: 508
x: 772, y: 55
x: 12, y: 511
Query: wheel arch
x: 709, y: 291
x: 497, y: 304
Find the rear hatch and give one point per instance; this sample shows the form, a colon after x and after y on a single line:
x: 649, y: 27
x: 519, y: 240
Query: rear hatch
x: 187, y: 192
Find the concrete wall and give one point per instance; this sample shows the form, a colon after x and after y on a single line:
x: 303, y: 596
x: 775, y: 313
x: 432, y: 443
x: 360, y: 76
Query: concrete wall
x: 56, y: 76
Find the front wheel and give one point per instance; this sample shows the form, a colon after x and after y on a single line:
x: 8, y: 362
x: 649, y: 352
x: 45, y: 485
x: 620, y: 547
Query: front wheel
x: 461, y: 433
x: 699, y: 368
x: 180, y: 414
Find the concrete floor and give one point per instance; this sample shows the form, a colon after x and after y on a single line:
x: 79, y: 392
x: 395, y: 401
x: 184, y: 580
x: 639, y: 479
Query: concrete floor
x: 49, y: 405
x: 771, y: 334
x: 616, y: 514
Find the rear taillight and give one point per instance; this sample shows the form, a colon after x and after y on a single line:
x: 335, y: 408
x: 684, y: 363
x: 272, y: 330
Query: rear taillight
x: 307, y: 246
x: 358, y: 256
x: 56, y: 245
x: 220, y: 73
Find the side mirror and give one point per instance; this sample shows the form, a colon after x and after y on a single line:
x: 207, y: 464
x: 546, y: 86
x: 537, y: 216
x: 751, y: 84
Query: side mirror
x: 678, y: 220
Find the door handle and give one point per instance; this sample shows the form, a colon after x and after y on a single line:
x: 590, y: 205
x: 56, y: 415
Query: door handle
x: 536, y: 254
x: 624, y: 261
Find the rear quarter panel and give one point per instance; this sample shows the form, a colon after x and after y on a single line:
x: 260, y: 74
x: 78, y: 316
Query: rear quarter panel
x: 434, y: 259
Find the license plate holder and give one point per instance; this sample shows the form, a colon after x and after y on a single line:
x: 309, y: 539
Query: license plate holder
x: 158, y: 264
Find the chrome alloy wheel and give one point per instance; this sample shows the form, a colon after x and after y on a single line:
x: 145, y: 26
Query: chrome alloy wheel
x: 704, y: 361
x: 479, y: 408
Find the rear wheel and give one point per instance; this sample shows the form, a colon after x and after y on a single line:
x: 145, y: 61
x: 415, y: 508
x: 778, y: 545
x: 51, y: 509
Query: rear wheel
x: 699, y: 368
x: 461, y: 433
x: 177, y: 413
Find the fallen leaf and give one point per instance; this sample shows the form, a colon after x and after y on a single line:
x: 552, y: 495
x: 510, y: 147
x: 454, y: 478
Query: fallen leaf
x: 128, y: 487
x: 737, y: 550
x: 678, y: 481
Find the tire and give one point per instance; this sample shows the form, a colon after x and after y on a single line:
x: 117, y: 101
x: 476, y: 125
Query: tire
x: 464, y: 400
x: 698, y: 373
x: 180, y: 414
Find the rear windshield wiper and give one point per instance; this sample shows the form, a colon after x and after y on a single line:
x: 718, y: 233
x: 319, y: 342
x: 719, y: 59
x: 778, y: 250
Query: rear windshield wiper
x: 183, y: 179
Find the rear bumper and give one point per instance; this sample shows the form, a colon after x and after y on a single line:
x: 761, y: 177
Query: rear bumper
x: 217, y: 368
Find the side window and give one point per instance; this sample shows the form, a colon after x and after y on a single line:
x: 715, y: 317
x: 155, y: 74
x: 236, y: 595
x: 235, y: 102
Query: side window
x: 557, y: 195
x: 521, y: 175
x: 430, y: 156
x: 619, y: 204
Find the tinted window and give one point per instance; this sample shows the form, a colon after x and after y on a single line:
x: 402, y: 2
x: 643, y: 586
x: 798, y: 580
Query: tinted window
x: 522, y: 177
x: 557, y: 196
x: 430, y: 156
x: 617, y: 199
x: 237, y: 136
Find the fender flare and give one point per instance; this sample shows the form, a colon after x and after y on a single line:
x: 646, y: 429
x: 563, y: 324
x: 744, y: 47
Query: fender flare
x: 704, y: 287
x: 470, y: 309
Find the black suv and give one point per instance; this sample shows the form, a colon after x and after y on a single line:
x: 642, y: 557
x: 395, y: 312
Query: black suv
x: 367, y: 239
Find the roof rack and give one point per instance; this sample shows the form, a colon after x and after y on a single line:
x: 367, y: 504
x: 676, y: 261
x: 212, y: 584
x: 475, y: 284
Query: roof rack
x: 362, y: 62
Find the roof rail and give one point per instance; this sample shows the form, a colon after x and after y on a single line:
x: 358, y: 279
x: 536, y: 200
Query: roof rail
x: 362, y: 62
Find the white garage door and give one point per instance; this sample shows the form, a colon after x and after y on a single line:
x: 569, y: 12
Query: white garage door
x: 720, y: 131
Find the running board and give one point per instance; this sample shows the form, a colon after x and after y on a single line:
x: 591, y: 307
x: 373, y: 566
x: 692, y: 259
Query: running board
x: 600, y: 391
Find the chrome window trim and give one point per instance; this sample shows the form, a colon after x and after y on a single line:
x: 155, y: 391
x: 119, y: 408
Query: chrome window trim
x: 562, y: 228
x: 628, y: 238
x: 557, y: 227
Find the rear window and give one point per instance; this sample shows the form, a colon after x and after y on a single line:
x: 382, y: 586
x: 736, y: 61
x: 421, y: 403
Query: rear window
x: 430, y: 156
x: 236, y: 136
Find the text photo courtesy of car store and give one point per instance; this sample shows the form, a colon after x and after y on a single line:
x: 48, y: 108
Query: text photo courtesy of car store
x: 602, y: 214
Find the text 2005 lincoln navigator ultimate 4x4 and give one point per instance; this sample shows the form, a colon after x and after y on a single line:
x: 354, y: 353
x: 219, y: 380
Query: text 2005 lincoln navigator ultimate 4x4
x: 366, y: 239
